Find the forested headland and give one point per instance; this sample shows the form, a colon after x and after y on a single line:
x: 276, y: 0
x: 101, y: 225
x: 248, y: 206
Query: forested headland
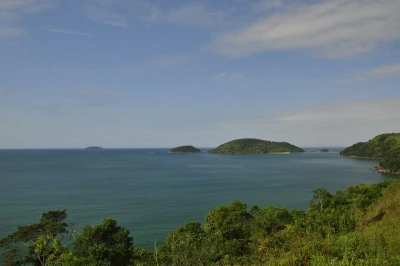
x: 385, y: 147
x: 255, y: 146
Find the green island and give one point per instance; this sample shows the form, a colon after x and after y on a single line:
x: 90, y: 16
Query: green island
x: 385, y: 147
x: 184, y: 149
x: 93, y: 148
x: 255, y: 146
x: 358, y: 226
x: 323, y: 150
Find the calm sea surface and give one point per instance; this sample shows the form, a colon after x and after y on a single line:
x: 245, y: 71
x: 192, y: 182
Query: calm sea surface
x: 151, y: 192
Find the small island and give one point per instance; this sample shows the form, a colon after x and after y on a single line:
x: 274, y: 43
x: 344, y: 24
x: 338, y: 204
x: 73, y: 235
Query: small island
x: 255, y: 146
x: 323, y: 150
x: 184, y: 149
x: 385, y: 147
x: 93, y: 148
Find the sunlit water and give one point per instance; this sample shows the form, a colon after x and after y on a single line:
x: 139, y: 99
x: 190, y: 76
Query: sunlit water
x: 151, y: 192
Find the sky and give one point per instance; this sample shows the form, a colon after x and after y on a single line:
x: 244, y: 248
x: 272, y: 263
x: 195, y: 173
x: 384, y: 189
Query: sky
x: 165, y: 73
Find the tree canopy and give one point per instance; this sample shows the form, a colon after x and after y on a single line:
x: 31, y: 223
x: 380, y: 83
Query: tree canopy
x: 255, y: 146
x: 181, y: 149
x: 358, y: 226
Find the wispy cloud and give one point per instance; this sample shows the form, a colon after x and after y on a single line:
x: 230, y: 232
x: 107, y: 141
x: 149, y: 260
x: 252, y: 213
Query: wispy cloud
x: 334, y: 28
x: 70, y: 32
x: 194, y: 14
x: 377, y: 72
x: 11, y: 12
x: 171, y: 60
x: 223, y: 76
x: 108, y: 18
x: 123, y: 13
x: 11, y: 32
x: 335, y: 123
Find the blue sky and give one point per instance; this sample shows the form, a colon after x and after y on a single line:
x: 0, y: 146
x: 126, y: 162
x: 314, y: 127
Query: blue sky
x: 131, y: 73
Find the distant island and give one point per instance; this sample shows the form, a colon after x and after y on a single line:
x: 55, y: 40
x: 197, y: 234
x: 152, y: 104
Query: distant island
x: 93, y: 148
x: 385, y: 147
x: 323, y: 150
x: 184, y: 149
x: 255, y: 146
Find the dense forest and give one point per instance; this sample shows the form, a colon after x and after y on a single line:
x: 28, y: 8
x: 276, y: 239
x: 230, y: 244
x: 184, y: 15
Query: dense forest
x: 255, y: 146
x: 184, y: 149
x: 358, y: 226
x: 385, y: 147
x: 391, y: 162
x: 377, y: 147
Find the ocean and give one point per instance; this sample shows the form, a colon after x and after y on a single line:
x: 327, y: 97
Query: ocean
x: 152, y: 192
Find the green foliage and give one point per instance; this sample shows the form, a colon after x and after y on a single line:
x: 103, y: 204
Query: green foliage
x: 391, y: 162
x: 184, y: 149
x: 339, y: 228
x: 324, y: 150
x: 228, y: 229
x: 255, y: 146
x: 187, y: 245
x: 21, y: 247
x: 104, y: 244
x: 377, y: 147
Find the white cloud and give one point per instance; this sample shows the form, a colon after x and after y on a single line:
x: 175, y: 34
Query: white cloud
x: 11, y: 11
x: 223, y: 76
x: 125, y: 13
x: 331, y: 124
x: 392, y: 69
x: 377, y: 72
x: 70, y: 32
x: 108, y: 18
x: 194, y: 14
x: 334, y: 28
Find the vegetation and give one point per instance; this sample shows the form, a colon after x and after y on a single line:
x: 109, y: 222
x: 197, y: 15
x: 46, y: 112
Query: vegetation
x: 358, y: 226
x: 323, y: 150
x: 385, y: 147
x: 184, y: 149
x: 378, y: 147
x: 391, y: 162
x: 255, y: 146
x: 94, y: 148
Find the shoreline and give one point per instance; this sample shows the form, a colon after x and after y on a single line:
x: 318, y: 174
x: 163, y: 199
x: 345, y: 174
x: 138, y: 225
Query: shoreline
x: 384, y: 171
x: 361, y: 157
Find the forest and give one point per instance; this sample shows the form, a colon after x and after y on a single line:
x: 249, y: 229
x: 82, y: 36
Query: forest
x: 358, y: 226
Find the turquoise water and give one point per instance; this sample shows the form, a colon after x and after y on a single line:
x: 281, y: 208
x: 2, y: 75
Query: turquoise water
x: 151, y: 192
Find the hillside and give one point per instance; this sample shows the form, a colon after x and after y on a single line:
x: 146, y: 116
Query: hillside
x: 358, y: 226
x: 255, y: 146
x: 184, y: 149
x: 378, y: 147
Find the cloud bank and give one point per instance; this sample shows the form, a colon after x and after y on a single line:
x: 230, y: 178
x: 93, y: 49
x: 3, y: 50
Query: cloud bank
x: 334, y: 28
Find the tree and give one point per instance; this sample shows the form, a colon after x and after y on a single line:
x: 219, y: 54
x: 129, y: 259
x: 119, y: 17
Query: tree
x: 228, y: 229
x: 104, y: 244
x: 21, y: 247
x: 187, y: 245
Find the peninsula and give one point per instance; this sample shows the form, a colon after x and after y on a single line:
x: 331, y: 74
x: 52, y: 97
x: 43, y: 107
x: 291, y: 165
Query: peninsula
x: 255, y: 146
x: 184, y: 149
x: 385, y: 147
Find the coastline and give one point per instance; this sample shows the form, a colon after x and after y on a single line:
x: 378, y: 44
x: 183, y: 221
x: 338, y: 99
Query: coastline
x: 361, y: 157
x: 384, y: 171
